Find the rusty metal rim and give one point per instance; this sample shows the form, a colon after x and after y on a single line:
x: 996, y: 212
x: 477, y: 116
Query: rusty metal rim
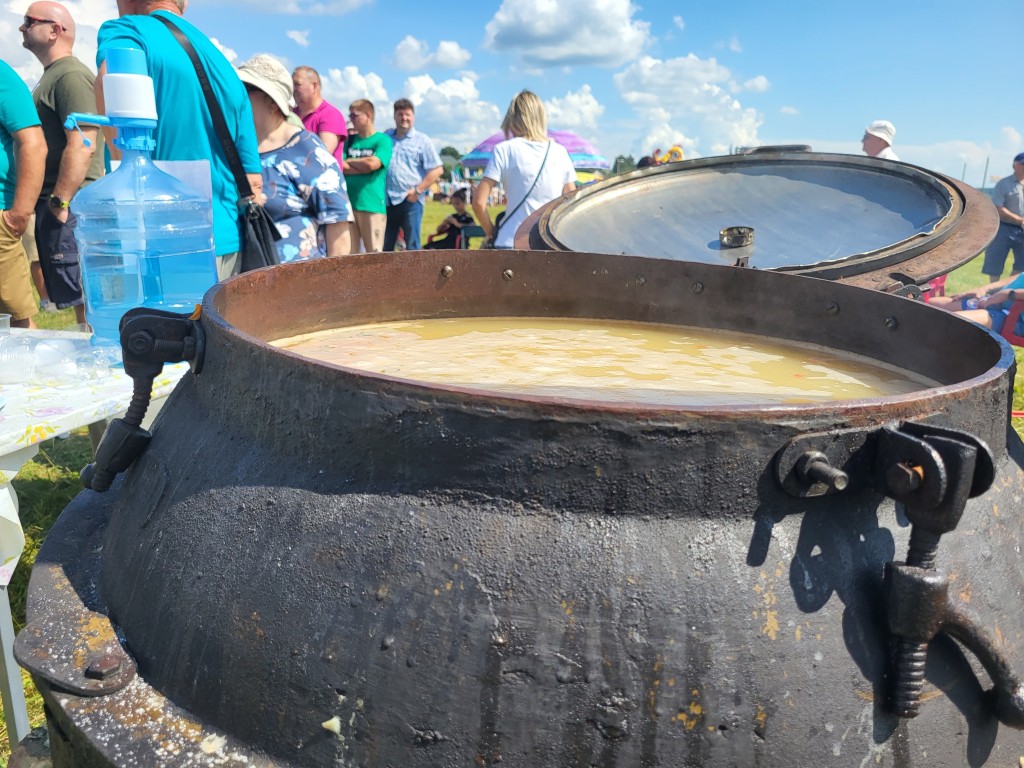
x: 894, y: 253
x: 863, y: 410
x: 974, y: 228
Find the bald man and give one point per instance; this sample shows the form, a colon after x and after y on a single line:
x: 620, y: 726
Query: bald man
x: 318, y: 115
x: 65, y: 87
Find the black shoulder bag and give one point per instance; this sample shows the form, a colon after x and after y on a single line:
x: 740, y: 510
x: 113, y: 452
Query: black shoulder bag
x: 259, y: 236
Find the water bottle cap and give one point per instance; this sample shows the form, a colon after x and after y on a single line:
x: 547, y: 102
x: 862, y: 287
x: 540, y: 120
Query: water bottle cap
x: 127, y: 88
x: 126, y: 61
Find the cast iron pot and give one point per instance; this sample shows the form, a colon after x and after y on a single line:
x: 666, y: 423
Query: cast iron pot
x: 314, y: 566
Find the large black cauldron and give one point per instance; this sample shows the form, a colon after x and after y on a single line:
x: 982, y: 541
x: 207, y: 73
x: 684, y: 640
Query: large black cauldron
x: 311, y: 566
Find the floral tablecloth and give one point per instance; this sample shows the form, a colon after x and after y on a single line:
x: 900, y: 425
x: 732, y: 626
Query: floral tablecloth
x: 65, y: 396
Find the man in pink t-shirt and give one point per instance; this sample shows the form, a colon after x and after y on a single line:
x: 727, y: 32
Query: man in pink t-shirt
x: 319, y: 116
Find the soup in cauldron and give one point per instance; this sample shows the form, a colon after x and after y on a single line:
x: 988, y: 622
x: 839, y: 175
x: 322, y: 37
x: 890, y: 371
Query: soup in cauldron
x: 617, y: 362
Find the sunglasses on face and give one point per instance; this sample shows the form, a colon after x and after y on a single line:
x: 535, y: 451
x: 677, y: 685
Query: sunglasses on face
x: 31, y: 21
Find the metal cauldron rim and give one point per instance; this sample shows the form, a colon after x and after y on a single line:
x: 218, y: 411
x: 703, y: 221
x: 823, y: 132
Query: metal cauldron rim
x: 968, y: 227
x: 266, y: 281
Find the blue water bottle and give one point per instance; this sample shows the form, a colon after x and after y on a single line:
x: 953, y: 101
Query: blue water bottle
x: 145, y: 239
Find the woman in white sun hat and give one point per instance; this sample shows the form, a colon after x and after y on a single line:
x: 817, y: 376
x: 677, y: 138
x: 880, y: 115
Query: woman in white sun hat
x: 304, y: 187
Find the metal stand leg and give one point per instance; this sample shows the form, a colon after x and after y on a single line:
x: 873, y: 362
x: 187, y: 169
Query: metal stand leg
x: 12, y: 540
x: 15, y: 713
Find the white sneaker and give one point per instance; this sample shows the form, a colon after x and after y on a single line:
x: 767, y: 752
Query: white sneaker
x: 48, y: 306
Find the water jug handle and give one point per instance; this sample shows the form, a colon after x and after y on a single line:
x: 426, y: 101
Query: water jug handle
x: 76, y: 119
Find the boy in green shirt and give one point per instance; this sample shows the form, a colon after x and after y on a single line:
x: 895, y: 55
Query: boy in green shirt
x: 367, y: 155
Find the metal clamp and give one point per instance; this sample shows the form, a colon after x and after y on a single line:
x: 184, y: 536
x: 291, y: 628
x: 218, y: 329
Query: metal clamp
x: 823, y: 463
x: 933, y: 471
x: 149, y: 338
x: 80, y: 652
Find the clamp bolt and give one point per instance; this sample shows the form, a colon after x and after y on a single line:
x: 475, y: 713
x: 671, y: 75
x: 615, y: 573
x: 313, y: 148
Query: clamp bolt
x: 814, y: 467
x: 103, y: 667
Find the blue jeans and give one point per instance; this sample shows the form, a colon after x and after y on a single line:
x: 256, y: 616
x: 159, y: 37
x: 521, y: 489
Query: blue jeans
x: 1009, y: 236
x: 405, y: 216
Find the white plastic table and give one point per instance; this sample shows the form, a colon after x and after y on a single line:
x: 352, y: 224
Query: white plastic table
x: 61, y: 399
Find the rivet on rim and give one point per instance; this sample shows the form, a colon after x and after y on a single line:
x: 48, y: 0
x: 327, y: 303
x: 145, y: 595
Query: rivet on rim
x: 892, y: 323
x: 508, y: 274
x: 698, y: 287
x: 446, y: 270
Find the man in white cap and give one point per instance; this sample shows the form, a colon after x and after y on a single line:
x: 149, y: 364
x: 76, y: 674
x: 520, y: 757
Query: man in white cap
x: 877, y: 141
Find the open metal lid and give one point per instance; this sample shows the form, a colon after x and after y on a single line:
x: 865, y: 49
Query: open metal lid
x: 876, y: 223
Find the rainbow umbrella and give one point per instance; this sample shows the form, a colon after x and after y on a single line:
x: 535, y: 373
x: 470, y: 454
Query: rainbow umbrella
x: 583, y: 155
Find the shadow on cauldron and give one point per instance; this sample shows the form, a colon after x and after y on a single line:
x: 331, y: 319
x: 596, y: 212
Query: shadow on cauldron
x: 842, y: 549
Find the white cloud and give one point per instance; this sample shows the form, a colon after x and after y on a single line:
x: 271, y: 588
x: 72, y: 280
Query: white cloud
x: 229, y: 53
x: 687, y: 101
x: 569, y: 32
x: 343, y: 86
x: 451, y: 112
x: 297, y: 7
x: 734, y: 45
x: 450, y: 55
x: 678, y: 21
x: 574, y: 111
x: 412, y: 54
x: 789, y: 110
x: 757, y: 84
x: 948, y: 157
x: 951, y: 157
x: 299, y: 37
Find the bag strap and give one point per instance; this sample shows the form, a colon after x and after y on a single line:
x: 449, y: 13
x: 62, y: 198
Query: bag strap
x: 521, y: 202
x: 220, y: 125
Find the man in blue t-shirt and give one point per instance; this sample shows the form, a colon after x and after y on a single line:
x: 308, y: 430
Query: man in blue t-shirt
x: 22, y: 160
x: 414, y: 167
x: 185, y: 129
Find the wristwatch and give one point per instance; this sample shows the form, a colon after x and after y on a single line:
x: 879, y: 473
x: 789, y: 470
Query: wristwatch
x: 57, y: 202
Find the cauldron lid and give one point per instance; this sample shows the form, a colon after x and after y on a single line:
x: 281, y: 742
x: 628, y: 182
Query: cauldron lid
x: 823, y: 215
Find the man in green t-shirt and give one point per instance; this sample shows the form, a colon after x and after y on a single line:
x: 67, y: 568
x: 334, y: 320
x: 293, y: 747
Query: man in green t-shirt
x: 22, y: 156
x: 367, y: 156
x: 65, y: 87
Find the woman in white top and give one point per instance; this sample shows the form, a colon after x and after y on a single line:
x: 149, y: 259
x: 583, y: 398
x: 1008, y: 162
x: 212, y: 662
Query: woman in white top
x: 532, y: 168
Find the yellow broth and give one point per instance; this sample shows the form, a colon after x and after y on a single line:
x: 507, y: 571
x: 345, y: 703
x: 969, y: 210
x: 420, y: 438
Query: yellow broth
x: 609, y: 361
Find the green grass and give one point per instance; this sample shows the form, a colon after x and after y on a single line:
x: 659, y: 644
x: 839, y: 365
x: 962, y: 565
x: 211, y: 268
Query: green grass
x: 48, y: 483
x: 435, y: 213
x: 44, y: 486
x: 970, y: 276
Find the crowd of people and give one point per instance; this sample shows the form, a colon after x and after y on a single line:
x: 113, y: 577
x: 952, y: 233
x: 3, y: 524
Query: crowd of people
x: 332, y: 186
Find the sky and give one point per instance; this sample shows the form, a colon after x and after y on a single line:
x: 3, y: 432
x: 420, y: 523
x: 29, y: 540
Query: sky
x: 634, y: 76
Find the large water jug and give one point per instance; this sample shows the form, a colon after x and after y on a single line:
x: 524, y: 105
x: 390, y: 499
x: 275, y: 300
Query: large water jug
x: 145, y: 238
